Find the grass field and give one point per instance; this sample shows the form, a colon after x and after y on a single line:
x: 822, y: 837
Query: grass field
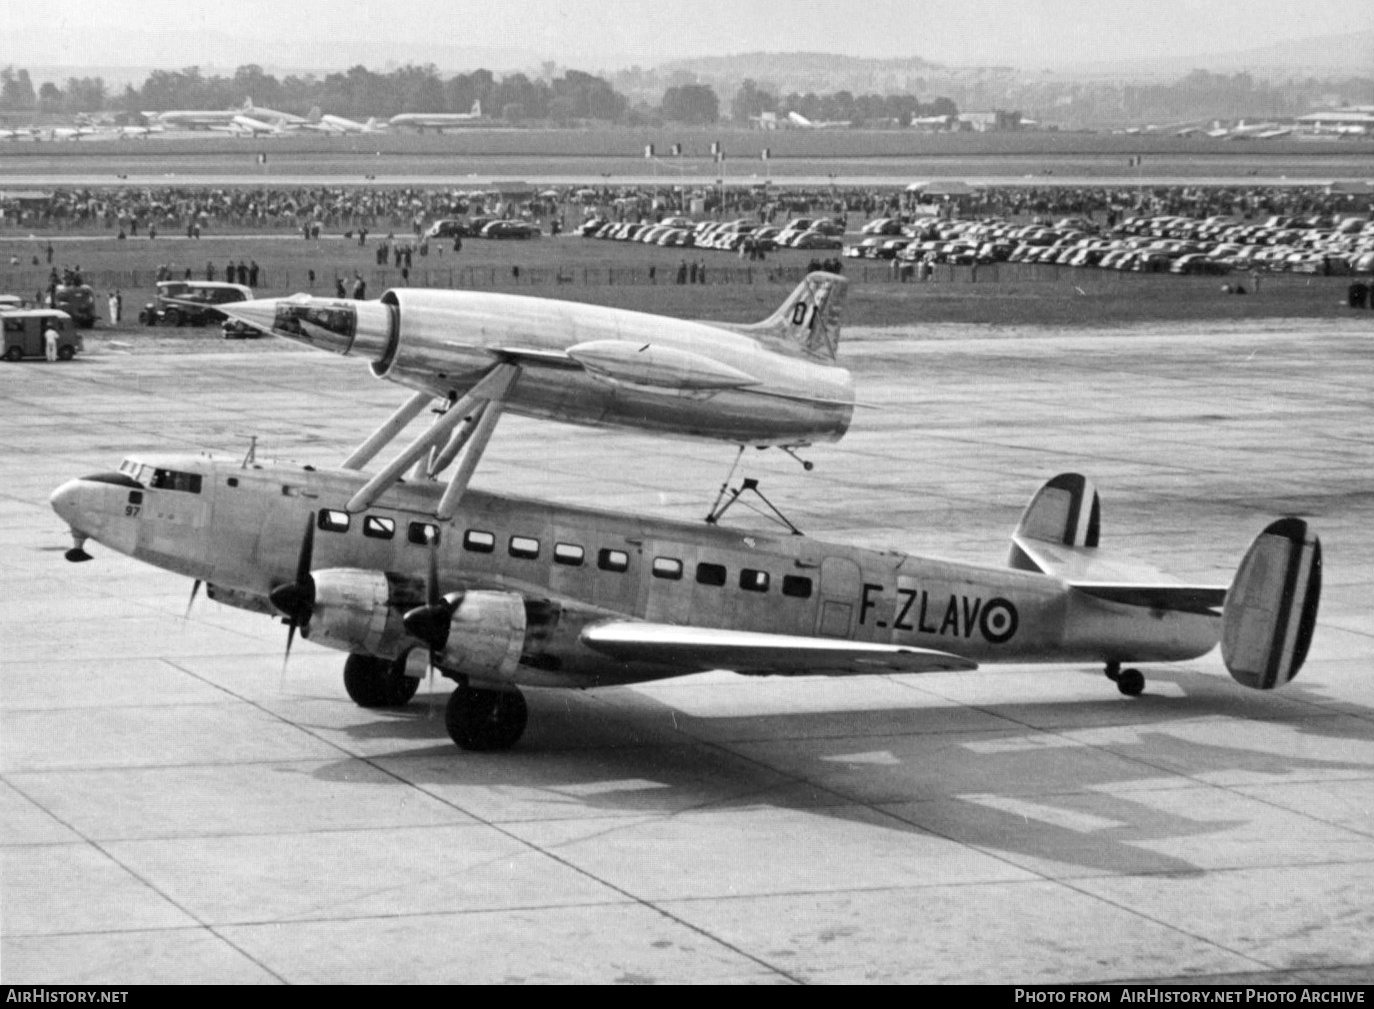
x: 613, y: 273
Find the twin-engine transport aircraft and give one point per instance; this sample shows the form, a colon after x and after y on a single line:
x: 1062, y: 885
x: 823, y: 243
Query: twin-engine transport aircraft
x: 772, y: 383
x: 508, y: 592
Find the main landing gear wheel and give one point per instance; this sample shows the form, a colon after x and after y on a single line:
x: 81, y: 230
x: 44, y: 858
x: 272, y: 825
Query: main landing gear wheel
x: 1130, y: 682
x: 378, y: 683
x: 485, y: 719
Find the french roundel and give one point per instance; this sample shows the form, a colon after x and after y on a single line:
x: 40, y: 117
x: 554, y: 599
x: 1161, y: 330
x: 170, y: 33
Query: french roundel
x: 998, y: 621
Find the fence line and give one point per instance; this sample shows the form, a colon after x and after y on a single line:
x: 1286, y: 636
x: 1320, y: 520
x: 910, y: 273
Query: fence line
x: 508, y: 277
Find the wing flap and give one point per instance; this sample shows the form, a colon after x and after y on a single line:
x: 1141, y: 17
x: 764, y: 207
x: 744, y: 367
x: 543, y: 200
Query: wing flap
x: 700, y: 648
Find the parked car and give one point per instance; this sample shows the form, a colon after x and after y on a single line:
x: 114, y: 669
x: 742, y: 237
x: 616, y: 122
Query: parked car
x: 78, y: 301
x: 816, y: 240
x: 192, y: 303
x: 510, y: 229
x: 449, y: 227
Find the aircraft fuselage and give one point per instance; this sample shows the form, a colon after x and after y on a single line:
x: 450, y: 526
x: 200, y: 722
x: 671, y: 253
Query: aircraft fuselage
x: 240, y: 530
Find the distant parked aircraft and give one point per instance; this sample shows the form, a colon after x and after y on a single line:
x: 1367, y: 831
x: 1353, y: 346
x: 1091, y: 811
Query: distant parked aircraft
x: 440, y: 120
x: 338, y: 124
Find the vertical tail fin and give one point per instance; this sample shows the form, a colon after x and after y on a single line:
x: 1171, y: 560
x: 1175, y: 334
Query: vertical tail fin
x: 477, y: 108
x: 810, y: 317
x: 1065, y: 511
x: 314, y: 116
x: 1271, y: 608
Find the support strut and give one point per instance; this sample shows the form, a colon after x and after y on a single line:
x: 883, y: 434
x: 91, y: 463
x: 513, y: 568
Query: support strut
x: 492, y: 387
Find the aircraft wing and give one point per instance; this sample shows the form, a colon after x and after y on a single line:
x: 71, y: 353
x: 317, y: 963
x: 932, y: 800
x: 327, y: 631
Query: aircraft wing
x: 701, y: 648
x: 1119, y: 579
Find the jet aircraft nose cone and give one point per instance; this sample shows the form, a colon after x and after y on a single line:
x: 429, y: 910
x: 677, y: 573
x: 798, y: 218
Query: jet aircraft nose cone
x: 260, y: 314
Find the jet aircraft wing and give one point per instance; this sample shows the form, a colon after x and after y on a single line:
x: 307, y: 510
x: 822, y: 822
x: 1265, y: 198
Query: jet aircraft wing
x: 755, y: 653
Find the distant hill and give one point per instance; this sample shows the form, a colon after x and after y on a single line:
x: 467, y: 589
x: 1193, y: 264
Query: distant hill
x: 1348, y: 54
x: 815, y: 72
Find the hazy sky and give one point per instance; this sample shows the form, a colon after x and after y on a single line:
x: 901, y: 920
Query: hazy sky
x: 612, y: 33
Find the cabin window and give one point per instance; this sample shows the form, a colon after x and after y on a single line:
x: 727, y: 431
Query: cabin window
x: 796, y: 586
x: 667, y: 567
x: 135, y: 497
x: 170, y: 479
x: 524, y: 546
x: 753, y: 581
x: 233, y: 481
x: 333, y: 521
x: 568, y: 553
x: 479, y: 542
x: 379, y: 528
x: 613, y: 560
x: 710, y: 574
x: 423, y: 534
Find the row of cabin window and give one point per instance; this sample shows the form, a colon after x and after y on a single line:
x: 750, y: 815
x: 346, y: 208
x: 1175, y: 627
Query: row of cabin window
x: 750, y: 579
x: 475, y: 540
x: 570, y: 554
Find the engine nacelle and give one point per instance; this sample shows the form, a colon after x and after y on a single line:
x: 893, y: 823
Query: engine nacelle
x: 353, y: 611
x: 486, y: 635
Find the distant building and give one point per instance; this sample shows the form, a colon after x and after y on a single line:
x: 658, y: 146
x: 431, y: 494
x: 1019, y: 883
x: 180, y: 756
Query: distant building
x: 1358, y: 121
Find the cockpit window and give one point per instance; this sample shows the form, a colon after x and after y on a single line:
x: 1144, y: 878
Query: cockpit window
x: 339, y: 319
x: 170, y: 479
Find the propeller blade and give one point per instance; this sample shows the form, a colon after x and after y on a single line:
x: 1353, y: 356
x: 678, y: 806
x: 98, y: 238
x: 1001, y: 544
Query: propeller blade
x: 297, y: 599
x: 194, y: 589
x: 307, y: 551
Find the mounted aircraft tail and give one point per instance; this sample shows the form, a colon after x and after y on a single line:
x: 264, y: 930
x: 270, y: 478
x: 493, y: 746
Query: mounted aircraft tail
x: 1267, y: 614
x: 809, y: 318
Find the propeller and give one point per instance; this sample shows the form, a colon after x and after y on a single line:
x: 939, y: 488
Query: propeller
x: 297, y: 599
x: 194, y: 589
x: 431, y: 622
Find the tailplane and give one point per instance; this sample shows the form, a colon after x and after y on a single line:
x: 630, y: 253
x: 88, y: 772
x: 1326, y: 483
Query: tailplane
x: 1271, y: 608
x: 810, y: 317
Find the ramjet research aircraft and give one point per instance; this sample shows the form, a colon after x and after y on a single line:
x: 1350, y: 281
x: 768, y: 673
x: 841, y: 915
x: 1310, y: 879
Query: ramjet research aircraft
x: 500, y: 592
x: 774, y: 383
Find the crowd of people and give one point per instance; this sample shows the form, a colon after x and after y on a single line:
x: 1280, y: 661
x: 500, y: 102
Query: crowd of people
x: 145, y: 211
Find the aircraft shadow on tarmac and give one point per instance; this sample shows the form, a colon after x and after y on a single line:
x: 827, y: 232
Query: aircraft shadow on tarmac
x: 1086, y: 786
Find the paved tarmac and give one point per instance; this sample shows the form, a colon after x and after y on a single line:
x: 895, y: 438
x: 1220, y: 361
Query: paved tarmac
x: 175, y: 807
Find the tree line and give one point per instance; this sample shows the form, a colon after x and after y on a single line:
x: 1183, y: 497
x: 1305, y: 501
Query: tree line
x: 569, y: 96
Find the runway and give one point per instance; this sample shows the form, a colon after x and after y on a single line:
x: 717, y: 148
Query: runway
x: 174, y: 807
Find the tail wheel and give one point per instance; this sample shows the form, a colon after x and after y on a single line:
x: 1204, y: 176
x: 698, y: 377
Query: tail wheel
x: 1130, y: 682
x: 485, y: 719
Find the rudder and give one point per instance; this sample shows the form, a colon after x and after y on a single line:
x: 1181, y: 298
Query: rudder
x: 1271, y: 608
x: 810, y: 317
x: 1065, y: 511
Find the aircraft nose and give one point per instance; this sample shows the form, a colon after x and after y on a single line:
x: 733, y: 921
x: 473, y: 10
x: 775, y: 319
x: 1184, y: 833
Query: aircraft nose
x: 260, y: 314
x: 64, y: 500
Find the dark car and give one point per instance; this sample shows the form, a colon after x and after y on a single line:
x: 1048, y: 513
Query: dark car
x: 449, y: 227
x: 510, y: 229
x: 78, y: 301
x: 193, y: 303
